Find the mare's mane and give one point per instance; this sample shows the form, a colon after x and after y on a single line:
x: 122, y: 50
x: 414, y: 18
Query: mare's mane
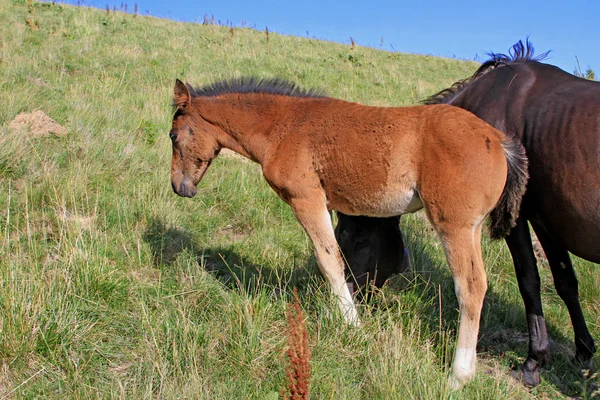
x: 273, y: 86
x: 519, y: 53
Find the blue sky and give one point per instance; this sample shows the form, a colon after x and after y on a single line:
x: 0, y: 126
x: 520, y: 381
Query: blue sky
x: 461, y: 29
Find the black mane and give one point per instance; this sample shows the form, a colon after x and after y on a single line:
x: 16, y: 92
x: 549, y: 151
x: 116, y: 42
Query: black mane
x: 518, y: 53
x: 254, y: 85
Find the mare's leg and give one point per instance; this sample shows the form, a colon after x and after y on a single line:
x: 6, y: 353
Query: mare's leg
x: 463, y: 251
x: 316, y: 221
x: 567, y: 288
x: 521, y: 249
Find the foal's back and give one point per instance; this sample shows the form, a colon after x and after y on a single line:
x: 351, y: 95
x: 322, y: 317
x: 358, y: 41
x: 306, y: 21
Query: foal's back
x: 381, y: 160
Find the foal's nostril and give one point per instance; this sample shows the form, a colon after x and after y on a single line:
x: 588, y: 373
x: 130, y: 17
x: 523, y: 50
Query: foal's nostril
x: 186, y: 190
x: 183, y: 189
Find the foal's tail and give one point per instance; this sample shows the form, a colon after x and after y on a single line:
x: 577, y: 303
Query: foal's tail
x: 504, y: 215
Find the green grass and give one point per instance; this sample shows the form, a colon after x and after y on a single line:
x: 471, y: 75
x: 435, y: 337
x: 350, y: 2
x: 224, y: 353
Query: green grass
x: 111, y: 286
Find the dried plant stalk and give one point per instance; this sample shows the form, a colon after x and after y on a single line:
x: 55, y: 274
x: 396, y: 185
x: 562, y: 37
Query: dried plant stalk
x: 298, y: 353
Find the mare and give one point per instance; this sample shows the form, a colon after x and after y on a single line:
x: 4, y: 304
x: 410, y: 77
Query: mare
x: 376, y: 252
x: 321, y: 154
x: 556, y: 116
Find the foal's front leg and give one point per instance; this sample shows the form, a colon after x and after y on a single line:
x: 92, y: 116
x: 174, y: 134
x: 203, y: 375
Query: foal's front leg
x: 316, y: 221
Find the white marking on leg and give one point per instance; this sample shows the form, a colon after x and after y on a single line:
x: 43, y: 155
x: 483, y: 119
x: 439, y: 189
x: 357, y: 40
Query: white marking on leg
x: 464, y: 360
x: 340, y: 288
x: 319, y: 227
x: 348, y: 306
x: 464, y: 367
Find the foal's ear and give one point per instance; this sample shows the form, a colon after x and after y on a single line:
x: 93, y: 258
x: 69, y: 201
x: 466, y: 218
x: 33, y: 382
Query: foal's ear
x: 181, y: 95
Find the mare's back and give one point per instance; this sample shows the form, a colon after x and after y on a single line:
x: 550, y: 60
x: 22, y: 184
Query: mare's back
x: 557, y: 118
x: 554, y: 86
x: 535, y: 101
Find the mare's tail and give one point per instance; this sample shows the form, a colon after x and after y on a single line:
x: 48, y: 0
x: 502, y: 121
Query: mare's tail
x: 504, y: 215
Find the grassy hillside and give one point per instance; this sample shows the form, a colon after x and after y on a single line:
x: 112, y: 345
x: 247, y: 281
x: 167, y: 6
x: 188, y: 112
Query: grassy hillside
x: 111, y: 286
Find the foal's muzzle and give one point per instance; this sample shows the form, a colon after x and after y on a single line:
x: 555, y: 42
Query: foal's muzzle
x: 185, y: 188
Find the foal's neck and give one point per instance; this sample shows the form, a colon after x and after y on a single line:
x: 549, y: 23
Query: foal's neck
x: 245, y: 121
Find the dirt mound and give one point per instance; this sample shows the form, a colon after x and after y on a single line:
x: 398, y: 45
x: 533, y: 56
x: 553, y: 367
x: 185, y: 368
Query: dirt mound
x: 37, y: 124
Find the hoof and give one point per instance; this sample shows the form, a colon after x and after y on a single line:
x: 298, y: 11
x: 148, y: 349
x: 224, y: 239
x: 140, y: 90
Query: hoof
x: 352, y: 320
x: 584, y: 359
x: 527, y: 377
x: 458, y: 381
x: 583, y: 363
x: 454, y: 384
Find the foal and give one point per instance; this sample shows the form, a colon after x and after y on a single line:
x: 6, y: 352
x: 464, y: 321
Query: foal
x: 321, y: 154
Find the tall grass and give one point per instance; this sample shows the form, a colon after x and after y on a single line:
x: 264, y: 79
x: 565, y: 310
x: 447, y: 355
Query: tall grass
x: 113, y: 287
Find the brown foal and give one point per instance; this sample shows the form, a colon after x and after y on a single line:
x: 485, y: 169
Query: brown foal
x: 321, y: 154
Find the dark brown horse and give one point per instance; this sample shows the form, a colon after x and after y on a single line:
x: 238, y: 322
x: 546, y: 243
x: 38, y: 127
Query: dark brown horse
x: 376, y: 252
x: 557, y: 118
x: 321, y: 154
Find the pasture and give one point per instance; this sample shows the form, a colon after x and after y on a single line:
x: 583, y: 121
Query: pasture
x: 112, y: 286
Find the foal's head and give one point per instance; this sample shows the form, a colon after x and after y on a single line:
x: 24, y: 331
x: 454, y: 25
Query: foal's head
x: 194, y: 144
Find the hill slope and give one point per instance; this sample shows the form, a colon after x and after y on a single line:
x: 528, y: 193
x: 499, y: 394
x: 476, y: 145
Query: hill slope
x: 112, y: 286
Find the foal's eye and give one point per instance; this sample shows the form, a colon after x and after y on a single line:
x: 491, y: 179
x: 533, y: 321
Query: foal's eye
x: 173, y: 135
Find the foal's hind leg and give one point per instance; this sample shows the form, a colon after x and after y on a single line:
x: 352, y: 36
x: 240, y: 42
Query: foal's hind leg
x: 316, y: 220
x: 567, y: 288
x: 463, y: 251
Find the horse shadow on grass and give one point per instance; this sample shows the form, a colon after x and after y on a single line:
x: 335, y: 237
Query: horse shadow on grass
x: 500, y: 339
x: 224, y: 263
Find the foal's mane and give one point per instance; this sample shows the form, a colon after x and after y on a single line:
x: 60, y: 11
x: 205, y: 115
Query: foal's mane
x: 275, y: 86
x: 518, y: 53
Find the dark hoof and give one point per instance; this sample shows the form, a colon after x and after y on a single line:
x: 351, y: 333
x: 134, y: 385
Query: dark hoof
x: 583, y: 362
x: 527, y: 377
x: 584, y: 358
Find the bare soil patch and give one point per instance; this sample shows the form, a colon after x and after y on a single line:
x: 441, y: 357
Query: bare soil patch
x: 36, y: 123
